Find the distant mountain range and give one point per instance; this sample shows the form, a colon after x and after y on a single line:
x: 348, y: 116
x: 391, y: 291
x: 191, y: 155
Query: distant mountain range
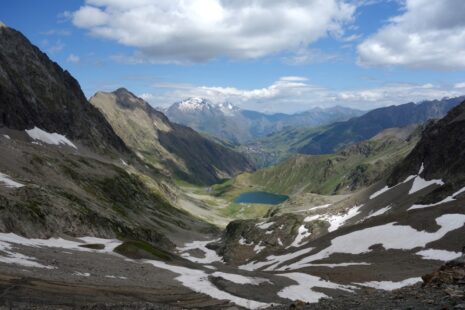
x: 232, y: 124
x: 331, y: 138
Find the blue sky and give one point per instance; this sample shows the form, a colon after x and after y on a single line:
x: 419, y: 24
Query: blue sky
x: 267, y: 55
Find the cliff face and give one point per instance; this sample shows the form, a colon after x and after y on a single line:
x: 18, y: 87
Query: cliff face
x: 37, y: 92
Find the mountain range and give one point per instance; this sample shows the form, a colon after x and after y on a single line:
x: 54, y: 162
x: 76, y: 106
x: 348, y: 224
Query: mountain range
x: 98, y: 209
x: 331, y: 138
x: 234, y: 125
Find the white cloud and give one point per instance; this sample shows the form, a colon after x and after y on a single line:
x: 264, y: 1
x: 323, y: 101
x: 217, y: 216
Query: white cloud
x: 429, y: 34
x: 460, y: 85
x: 292, y: 94
x: 89, y: 16
x: 200, y: 30
x: 73, y: 58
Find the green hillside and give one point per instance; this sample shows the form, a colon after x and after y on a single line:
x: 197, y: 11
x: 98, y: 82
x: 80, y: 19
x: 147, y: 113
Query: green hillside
x: 346, y: 171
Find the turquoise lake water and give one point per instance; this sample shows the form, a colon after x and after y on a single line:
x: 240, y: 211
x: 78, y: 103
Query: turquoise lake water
x: 261, y: 198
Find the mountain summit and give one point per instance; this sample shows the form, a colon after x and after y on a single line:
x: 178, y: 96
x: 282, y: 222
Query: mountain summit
x: 226, y: 121
x: 197, y: 104
x: 54, y: 102
x: 175, y: 148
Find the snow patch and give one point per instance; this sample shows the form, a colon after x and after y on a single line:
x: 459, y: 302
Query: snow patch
x: 302, y: 233
x: 210, y: 255
x: 10, y: 257
x: 390, y: 236
x: 264, y: 225
x: 7, y: 137
x: 336, y: 221
x: 49, y: 138
x: 8, y: 182
x: 379, y: 212
x: 419, y: 183
x: 381, y: 191
x: 258, y: 247
x: 197, y: 280
x: 242, y: 241
x: 389, y: 285
x: 109, y: 244
x: 272, y: 261
x: 303, y: 290
x: 312, y: 218
x: 441, y: 255
x: 239, y: 279
x: 445, y: 200
x: 320, y: 207
x: 81, y: 274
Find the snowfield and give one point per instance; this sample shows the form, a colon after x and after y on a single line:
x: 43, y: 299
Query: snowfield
x: 303, y: 290
x: 390, y: 236
x: 49, y: 138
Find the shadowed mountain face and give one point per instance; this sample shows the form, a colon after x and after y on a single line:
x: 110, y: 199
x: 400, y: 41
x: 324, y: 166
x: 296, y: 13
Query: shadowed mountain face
x: 72, y: 175
x: 173, y: 147
x: 230, y: 123
x: 34, y: 91
x: 441, y: 151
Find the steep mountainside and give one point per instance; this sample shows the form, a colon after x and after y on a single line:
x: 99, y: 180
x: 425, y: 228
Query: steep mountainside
x: 34, y: 91
x: 332, y: 138
x: 350, y: 169
x: 228, y: 122
x: 63, y: 170
x: 174, y: 147
x: 439, y: 154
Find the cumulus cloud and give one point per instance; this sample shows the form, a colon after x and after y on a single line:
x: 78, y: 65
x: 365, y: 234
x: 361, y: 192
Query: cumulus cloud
x: 73, y: 58
x: 428, y: 34
x: 293, y: 93
x: 200, y: 30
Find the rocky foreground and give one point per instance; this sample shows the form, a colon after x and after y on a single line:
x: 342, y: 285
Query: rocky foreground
x: 442, y: 289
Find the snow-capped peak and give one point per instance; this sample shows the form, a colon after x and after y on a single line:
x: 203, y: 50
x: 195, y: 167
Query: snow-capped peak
x: 194, y: 104
x: 201, y: 104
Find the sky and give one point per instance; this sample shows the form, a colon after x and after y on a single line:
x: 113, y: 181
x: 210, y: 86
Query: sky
x: 265, y: 55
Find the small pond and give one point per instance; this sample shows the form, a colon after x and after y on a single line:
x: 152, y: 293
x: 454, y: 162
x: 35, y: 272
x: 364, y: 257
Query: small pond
x: 261, y: 197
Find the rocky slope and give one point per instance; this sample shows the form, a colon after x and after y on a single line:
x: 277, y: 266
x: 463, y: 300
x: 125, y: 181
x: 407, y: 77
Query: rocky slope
x: 35, y: 91
x: 440, y: 152
x: 63, y: 170
x: 228, y: 122
x: 176, y: 148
